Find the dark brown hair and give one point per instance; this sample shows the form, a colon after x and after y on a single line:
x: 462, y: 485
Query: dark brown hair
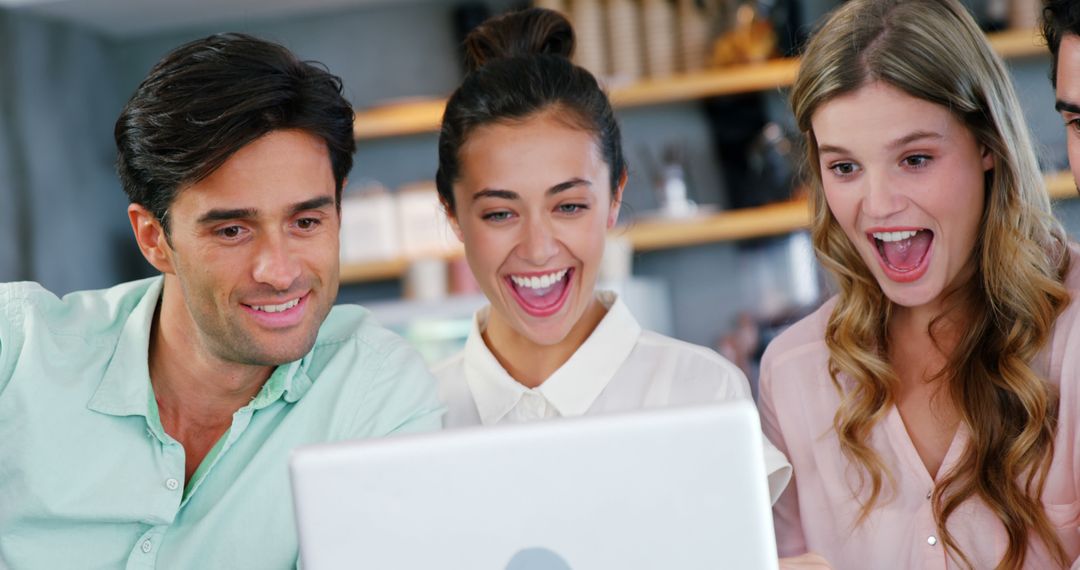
x: 207, y: 99
x: 518, y: 66
x: 1060, y: 17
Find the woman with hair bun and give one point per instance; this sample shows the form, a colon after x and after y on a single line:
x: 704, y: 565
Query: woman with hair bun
x: 531, y: 174
x: 930, y: 408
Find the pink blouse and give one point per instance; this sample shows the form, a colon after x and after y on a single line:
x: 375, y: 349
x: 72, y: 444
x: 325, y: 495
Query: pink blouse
x: 818, y: 511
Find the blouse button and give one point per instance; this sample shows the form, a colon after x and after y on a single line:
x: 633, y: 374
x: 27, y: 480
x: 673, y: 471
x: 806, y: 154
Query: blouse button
x: 932, y: 540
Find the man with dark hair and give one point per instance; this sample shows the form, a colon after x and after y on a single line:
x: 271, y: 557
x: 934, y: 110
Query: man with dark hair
x: 1061, y: 26
x: 149, y: 425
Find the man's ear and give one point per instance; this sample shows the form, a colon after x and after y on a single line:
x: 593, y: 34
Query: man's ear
x: 616, y: 202
x: 151, y: 238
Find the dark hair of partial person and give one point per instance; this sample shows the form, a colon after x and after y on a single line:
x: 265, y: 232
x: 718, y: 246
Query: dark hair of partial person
x: 518, y: 66
x: 1059, y: 18
x: 207, y: 99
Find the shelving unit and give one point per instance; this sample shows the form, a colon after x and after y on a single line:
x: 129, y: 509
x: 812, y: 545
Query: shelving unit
x: 656, y: 234
x: 424, y: 116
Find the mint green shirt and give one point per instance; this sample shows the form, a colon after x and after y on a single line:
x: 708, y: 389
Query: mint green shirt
x: 88, y: 477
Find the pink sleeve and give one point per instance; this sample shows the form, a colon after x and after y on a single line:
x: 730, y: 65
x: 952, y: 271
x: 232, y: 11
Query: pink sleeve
x: 786, y: 519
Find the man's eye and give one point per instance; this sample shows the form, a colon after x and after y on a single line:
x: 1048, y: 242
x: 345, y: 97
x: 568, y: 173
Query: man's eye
x: 230, y: 232
x: 307, y: 223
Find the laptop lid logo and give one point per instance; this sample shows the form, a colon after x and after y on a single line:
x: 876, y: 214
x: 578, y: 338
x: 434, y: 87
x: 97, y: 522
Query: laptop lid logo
x: 537, y: 559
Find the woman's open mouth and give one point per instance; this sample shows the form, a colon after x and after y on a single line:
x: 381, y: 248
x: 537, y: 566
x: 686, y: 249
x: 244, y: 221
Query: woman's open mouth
x: 541, y: 294
x: 904, y: 254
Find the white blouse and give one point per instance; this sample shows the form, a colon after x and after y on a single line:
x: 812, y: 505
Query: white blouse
x: 620, y: 367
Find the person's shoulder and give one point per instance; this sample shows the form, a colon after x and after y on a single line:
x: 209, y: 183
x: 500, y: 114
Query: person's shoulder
x: 451, y: 368
x: 696, y: 373
x: 1072, y: 277
x: 454, y: 391
x: 352, y: 344
x: 352, y: 333
x: 79, y: 312
x: 18, y: 297
x: 806, y: 334
x: 799, y: 348
x: 353, y: 325
x: 1068, y: 320
x: 654, y: 345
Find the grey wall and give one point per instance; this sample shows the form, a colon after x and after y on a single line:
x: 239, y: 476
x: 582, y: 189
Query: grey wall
x: 13, y: 258
x: 381, y: 52
x: 59, y: 200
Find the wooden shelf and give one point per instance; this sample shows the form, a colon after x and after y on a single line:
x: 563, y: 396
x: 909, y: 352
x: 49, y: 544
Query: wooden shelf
x: 663, y: 233
x: 1060, y: 185
x: 380, y: 270
x: 729, y: 225
x: 409, y: 118
x: 425, y: 116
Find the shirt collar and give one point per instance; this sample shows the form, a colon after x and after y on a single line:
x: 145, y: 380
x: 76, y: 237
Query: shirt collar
x: 574, y: 387
x: 125, y: 387
x: 493, y: 389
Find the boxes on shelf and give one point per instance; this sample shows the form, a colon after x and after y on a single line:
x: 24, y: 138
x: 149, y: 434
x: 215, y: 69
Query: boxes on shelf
x: 424, y: 230
x: 369, y: 226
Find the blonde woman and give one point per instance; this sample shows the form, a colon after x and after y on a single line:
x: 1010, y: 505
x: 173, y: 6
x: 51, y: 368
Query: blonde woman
x: 930, y: 408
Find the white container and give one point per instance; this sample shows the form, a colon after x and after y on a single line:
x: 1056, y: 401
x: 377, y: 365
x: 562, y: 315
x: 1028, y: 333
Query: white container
x: 424, y: 230
x: 426, y: 279
x: 369, y: 226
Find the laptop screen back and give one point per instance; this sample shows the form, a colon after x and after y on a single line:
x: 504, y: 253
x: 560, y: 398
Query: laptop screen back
x: 677, y: 488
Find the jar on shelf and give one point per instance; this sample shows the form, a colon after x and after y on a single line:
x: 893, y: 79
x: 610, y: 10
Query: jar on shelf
x: 693, y: 34
x: 1024, y: 14
x: 658, y: 29
x: 587, y: 17
x: 624, y: 40
x: 556, y: 5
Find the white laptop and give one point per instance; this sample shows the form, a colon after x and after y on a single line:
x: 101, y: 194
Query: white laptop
x: 679, y: 488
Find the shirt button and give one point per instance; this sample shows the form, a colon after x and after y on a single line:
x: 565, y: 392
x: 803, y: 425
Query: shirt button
x: 172, y: 484
x: 147, y: 546
x: 929, y: 494
x: 932, y: 540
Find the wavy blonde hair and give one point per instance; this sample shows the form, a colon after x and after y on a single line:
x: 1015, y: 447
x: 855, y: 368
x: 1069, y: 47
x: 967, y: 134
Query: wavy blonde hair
x: 932, y: 50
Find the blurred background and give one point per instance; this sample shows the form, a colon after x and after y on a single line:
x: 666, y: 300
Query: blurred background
x: 711, y: 248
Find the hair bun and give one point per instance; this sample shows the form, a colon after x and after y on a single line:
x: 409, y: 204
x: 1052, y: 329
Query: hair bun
x: 536, y: 31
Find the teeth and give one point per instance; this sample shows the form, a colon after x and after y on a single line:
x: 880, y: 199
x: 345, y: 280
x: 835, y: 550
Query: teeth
x: 276, y: 308
x: 895, y: 236
x: 541, y: 282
